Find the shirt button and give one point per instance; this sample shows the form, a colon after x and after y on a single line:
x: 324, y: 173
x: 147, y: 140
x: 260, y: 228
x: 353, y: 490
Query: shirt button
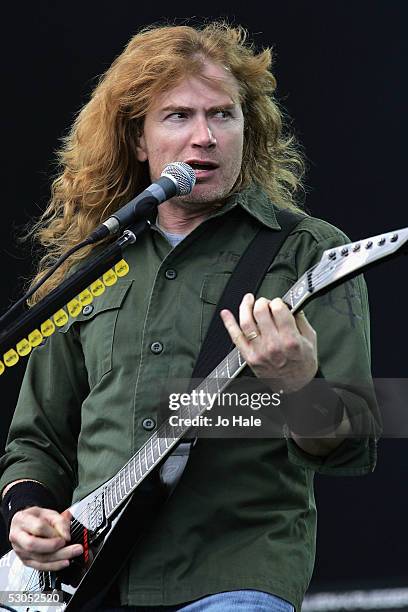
x: 88, y: 309
x: 156, y: 347
x: 148, y: 424
x: 170, y: 274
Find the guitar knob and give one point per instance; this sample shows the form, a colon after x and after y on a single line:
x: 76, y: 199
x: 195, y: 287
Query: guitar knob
x: 344, y: 251
x: 356, y: 247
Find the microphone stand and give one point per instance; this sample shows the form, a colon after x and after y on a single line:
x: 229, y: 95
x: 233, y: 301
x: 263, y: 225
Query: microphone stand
x: 68, y: 289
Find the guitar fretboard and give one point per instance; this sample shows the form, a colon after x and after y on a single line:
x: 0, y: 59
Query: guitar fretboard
x: 167, y: 436
x: 339, y: 262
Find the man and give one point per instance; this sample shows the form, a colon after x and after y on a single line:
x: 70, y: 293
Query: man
x: 239, y: 530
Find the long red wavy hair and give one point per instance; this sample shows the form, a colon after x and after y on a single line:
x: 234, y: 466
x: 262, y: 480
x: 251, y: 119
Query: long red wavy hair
x: 99, y: 170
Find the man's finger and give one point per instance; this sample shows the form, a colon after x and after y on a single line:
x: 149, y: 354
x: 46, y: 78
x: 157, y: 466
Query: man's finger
x: 246, y: 317
x: 282, y: 317
x: 304, y: 326
x: 235, y: 332
x: 62, y: 524
x: 25, y: 543
x: 50, y: 566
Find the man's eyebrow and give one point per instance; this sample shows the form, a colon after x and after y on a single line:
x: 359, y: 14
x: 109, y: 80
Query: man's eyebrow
x: 185, y: 109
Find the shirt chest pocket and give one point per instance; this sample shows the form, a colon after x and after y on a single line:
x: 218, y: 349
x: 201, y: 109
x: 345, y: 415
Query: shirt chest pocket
x: 273, y: 285
x: 210, y: 293
x: 95, y: 326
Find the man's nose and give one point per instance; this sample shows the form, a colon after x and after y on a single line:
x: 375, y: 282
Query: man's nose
x: 202, y: 135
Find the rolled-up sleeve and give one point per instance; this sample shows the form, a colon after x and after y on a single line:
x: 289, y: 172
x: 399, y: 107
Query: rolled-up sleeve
x: 340, y: 318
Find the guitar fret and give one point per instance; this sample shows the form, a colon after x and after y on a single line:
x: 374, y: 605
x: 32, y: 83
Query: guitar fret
x: 141, y: 462
x: 233, y: 358
x: 111, y: 488
x: 138, y: 467
x: 129, y: 487
x: 151, y: 456
x: 218, y: 388
x: 114, y: 493
x: 134, y: 470
x: 117, y: 492
x: 222, y: 370
x: 122, y: 489
x: 162, y: 440
x: 120, y: 481
x: 155, y: 445
x: 132, y: 475
x: 108, y: 499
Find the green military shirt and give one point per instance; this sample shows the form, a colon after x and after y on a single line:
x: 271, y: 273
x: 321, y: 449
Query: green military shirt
x: 243, y: 514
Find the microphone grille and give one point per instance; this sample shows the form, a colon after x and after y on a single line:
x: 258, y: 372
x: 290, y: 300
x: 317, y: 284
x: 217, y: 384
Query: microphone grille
x: 183, y: 175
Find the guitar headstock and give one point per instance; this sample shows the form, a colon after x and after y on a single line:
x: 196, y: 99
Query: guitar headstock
x: 348, y: 259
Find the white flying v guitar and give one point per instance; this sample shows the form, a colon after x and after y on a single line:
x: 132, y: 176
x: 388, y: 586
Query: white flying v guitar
x: 95, y: 519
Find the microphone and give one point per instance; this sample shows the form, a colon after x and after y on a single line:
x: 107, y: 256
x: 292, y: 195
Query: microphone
x: 177, y: 179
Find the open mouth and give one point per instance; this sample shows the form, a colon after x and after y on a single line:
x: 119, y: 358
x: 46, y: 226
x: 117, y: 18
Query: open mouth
x: 202, y: 166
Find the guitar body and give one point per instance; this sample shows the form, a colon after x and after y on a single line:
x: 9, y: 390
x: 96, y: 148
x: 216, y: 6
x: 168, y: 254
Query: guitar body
x: 85, y: 583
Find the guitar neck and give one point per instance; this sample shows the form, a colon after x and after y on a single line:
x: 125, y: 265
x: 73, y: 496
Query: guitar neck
x: 336, y: 265
x: 166, y: 437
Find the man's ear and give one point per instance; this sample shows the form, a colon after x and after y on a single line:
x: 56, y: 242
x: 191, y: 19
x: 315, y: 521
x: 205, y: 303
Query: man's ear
x: 141, y: 152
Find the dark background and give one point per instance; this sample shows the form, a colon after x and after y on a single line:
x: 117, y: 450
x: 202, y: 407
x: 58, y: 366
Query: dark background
x: 341, y: 69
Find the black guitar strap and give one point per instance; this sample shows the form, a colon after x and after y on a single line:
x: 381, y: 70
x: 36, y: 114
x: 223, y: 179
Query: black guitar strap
x: 247, y: 277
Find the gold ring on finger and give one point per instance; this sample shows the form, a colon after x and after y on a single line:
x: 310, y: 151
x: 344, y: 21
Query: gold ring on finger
x: 251, y: 336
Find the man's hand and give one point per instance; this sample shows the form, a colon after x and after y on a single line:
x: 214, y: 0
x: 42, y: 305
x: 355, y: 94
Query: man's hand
x: 39, y: 537
x: 274, y: 343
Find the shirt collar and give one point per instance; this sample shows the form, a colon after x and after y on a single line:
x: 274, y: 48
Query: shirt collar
x: 256, y: 203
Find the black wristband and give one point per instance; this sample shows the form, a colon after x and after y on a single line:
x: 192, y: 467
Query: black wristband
x: 23, y: 495
x: 315, y: 409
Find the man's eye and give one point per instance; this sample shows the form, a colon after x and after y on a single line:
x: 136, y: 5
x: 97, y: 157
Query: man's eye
x: 178, y: 115
x: 223, y: 114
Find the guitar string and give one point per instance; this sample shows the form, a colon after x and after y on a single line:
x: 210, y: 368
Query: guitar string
x: 78, y: 530
x: 145, y: 464
x: 34, y: 583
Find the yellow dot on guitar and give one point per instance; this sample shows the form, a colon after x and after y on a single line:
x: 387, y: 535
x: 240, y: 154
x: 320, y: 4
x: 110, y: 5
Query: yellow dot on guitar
x: 47, y: 328
x: 85, y: 297
x: 35, y: 338
x: 74, y: 307
x: 109, y: 278
x: 23, y: 347
x: 97, y: 287
x: 10, y: 358
x: 2, y: 368
x: 60, y: 318
x: 121, y: 268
